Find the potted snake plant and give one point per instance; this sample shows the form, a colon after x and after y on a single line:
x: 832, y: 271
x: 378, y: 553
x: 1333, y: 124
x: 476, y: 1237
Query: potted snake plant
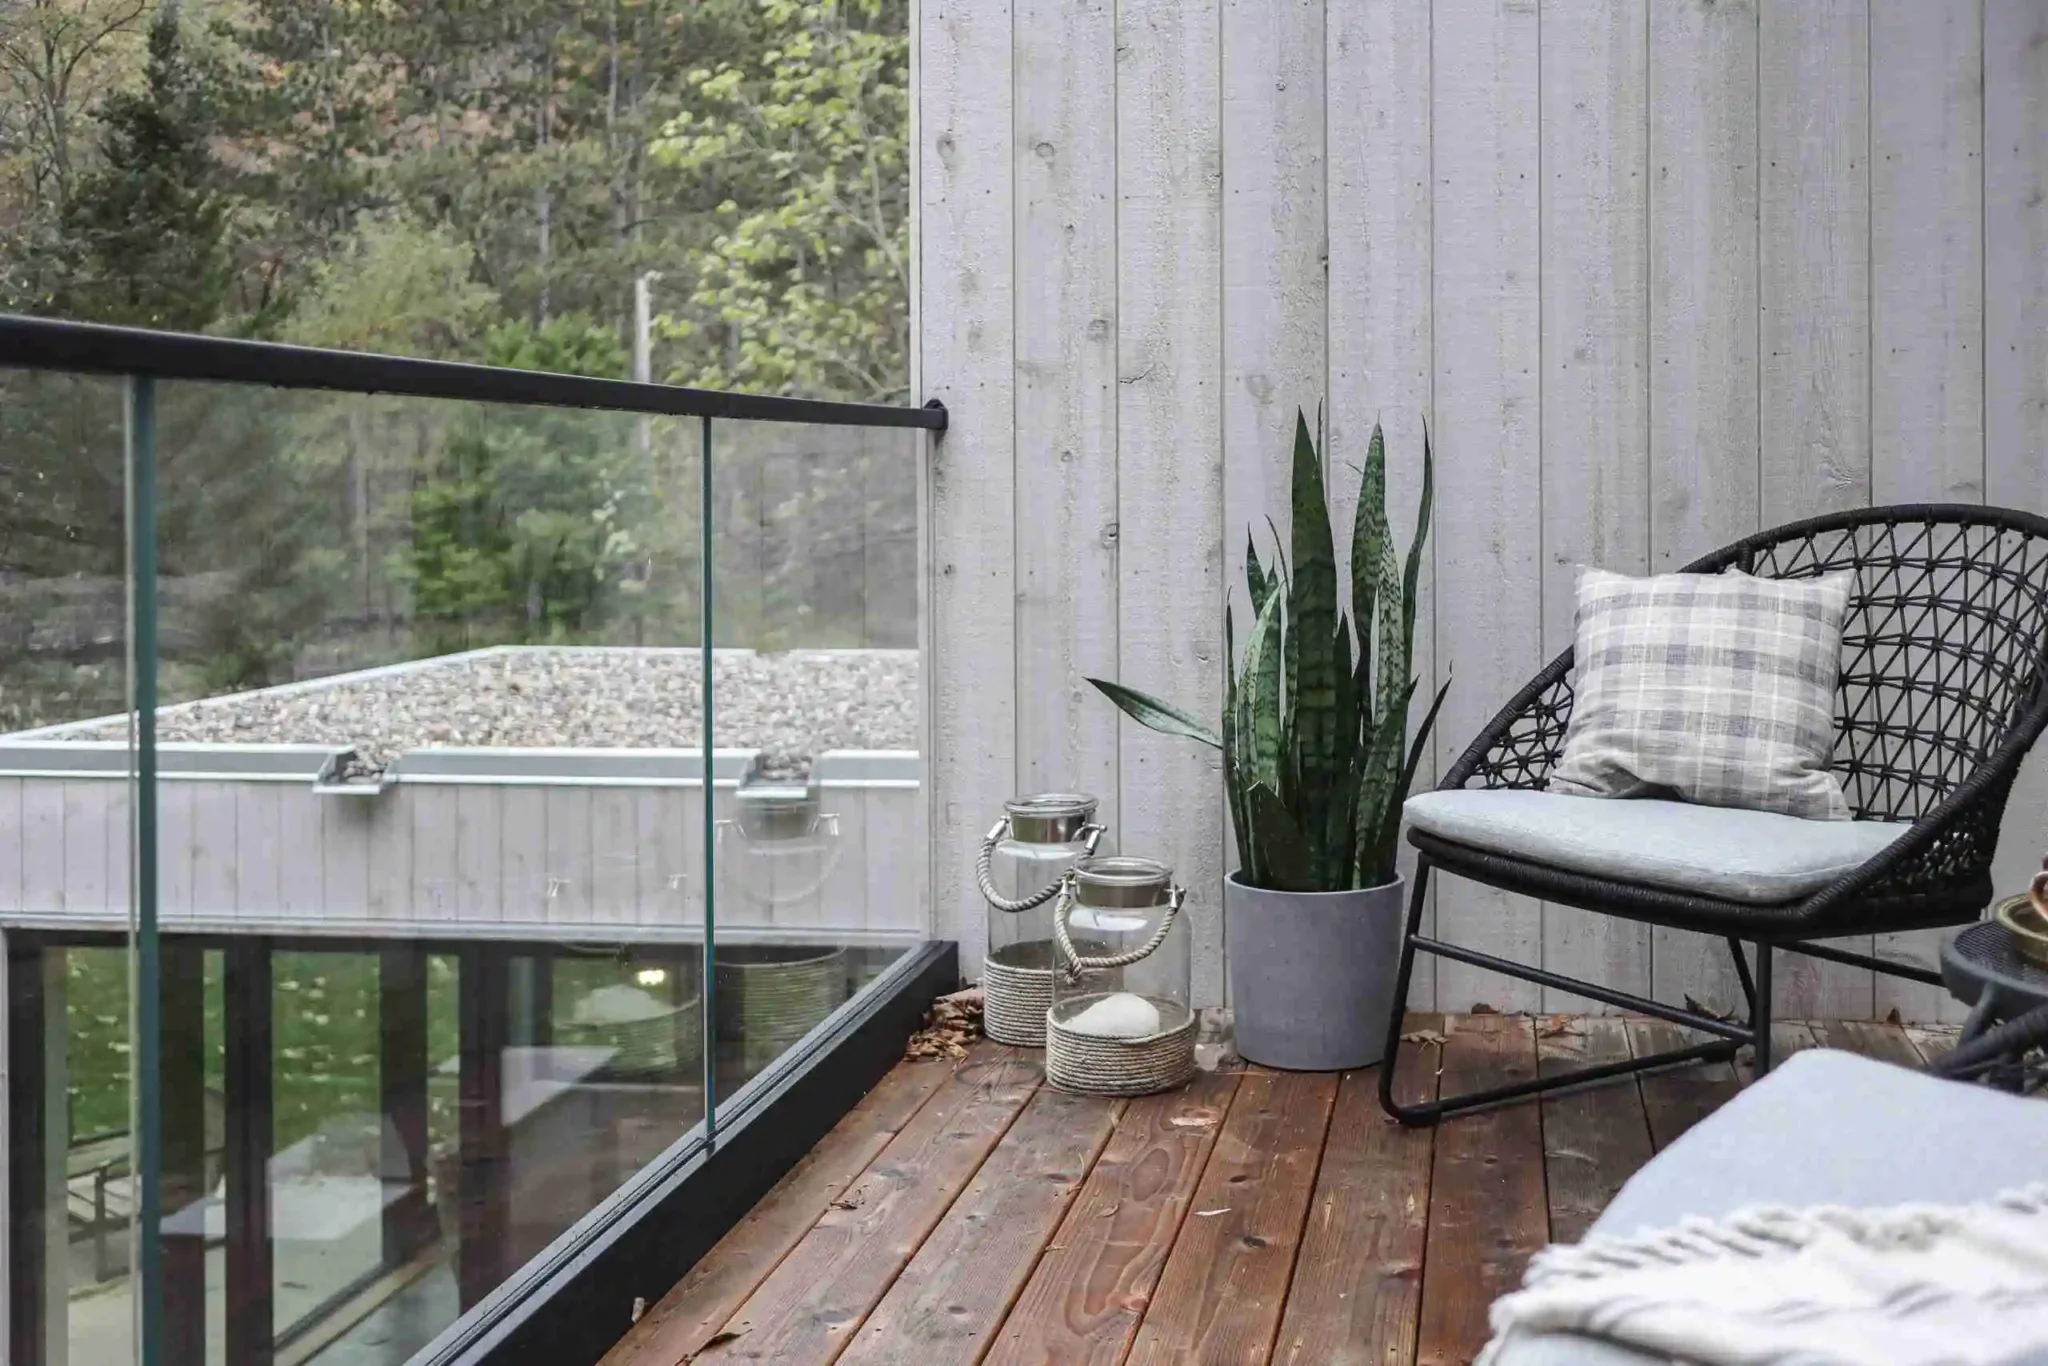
x: 1317, y: 763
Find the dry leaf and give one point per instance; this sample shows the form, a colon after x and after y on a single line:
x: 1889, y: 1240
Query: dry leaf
x: 639, y: 1307
x: 1554, y: 1026
x: 1211, y: 1213
x: 718, y: 1339
x: 1192, y: 1121
x: 1892, y: 1017
x: 1423, y: 1036
x: 1482, y: 1008
x: 1702, y: 1008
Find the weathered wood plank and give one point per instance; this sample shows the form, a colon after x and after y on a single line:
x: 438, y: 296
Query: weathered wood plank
x: 614, y: 858
x: 522, y: 855
x: 175, y: 803
x: 1066, y: 438
x: 1487, y: 340
x: 1225, y: 1284
x: 216, y: 851
x: 1884, y: 1042
x: 945, y: 1308
x: 1596, y: 1137
x: 344, y: 857
x: 565, y: 870
x: 10, y: 841
x: 42, y: 846
x: 1677, y: 1098
x: 87, y: 836
x: 1926, y: 308
x: 1595, y: 402
x: 259, y: 850
x: 1377, y: 108
x: 302, y: 833
x: 1358, y: 1279
x: 703, y: 1300
x: 1932, y: 1042
x: 809, y: 1308
x: 1787, y: 1037
x: 1082, y: 1305
x: 964, y: 114
x: 1815, y: 323
x: 1703, y: 336
x: 1487, y: 1213
x: 1169, y: 439
x: 393, y: 878
x: 2016, y: 330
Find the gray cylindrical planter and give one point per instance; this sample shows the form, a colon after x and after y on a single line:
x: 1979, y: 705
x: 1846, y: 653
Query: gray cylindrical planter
x: 1312, y: 973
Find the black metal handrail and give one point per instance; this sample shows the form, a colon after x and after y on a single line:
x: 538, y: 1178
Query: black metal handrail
x: 98, y: 349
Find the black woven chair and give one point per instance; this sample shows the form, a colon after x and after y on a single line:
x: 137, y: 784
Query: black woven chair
x: 1944, y: 687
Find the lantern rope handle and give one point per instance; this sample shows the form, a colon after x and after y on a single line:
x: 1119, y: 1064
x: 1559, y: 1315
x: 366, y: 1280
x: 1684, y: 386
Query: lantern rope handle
x: 1091, y: 835
x: 1076, y: 964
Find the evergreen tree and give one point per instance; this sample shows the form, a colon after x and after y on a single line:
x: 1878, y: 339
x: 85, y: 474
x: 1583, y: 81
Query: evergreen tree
x: 144, y: 239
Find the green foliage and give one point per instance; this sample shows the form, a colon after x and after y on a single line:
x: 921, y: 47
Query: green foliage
x: 1313, y: 742
x: 806, y: 288
x: 143, y: 239
x: 571, y: 345
x: 396, y: 286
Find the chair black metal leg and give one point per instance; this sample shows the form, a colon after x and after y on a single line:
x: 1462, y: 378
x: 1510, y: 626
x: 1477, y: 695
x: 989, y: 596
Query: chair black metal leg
x: 1720, y: 1049
x: 1742, y: 973
x: 1760, y: 1010
x: 1398, y: 1013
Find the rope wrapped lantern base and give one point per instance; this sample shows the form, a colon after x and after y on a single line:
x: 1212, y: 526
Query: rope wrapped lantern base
x: 1104, y: 1065
x: 1016, y: 985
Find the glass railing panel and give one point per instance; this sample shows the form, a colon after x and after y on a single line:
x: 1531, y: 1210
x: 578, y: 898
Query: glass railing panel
x: 819, y: 857
x: 432, y: 765
x: 65, y: 831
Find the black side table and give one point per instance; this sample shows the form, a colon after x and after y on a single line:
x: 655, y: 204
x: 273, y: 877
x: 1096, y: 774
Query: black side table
x: 1982, y: 968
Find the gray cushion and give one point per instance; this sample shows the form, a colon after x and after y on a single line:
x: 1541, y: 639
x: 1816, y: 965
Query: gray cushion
x: 1721, y: 851
x: 1825, y: 1128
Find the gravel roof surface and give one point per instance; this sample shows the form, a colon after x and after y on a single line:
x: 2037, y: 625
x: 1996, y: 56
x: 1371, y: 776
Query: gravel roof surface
x: 791, y: 706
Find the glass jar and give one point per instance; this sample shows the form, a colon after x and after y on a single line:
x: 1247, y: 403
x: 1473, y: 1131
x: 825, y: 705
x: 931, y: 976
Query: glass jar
x: 1023, y: 859
x: 1121, y: 1021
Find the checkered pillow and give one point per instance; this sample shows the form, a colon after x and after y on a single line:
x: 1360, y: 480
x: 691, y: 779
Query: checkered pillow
x: 1713, y: 688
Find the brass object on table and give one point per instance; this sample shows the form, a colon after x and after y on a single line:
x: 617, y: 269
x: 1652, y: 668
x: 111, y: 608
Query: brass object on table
x: 2025, y: 918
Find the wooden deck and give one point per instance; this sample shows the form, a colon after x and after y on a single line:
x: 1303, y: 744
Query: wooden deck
x: 966, y: 1213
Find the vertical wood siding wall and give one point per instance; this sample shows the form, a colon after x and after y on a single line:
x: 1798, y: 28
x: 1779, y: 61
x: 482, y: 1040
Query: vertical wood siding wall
x: 1659, y: 273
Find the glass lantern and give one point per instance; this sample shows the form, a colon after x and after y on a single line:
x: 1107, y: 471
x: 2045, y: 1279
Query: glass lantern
x: 1038, y: 840
x: 778, y: 854
x: 1121, y: 1022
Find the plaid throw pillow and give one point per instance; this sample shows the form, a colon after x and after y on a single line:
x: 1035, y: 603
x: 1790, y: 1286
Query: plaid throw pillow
x: 1712, y: 688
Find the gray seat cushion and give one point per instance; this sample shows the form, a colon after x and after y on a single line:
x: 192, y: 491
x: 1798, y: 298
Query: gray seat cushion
x: 1826, y: 1128
x: 1719, y: 851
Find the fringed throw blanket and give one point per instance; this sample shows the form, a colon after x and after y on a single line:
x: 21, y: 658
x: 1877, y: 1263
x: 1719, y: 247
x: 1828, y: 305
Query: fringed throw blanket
x: 1915, y: 1285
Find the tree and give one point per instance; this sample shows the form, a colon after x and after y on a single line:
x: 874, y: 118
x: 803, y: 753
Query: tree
x: 144, y: 238
x: 807, y: 283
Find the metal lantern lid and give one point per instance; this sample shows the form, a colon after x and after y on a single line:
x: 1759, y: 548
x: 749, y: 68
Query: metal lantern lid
x: 1122, y: 880
x: 779, y: 811
x: 1050, y: 817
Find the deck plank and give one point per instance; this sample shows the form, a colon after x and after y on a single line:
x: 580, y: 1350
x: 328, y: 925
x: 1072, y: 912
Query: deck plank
x: 1677, y: 1098
x: 1933, y: 1041
x: 1596, y: 1137
x: 811, y: 1305
x: 1225, y: 1283
x: 1358, y: 1281
x: 1884, y: 1042
x: 703, y: 1300
x: 946, y: 1306
x: 1787, y: 1037
x: 1487, y: 1209
x: 1082, y: 1304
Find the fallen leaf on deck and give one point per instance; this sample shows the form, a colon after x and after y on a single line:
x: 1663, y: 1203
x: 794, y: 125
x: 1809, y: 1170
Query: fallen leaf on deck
x: 1211, y: 1213
x: 718, y: 1339
x: 1423, y: 1036
x: 1702, y: 1008
x: 1554, y: 1026
x: 1192, y: 1121
x: 1892, y: 1017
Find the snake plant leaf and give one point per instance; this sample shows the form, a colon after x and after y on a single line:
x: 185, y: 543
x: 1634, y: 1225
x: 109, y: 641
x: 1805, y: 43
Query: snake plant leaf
x: 1369, y: 537
x: 1377, y: 794
x: 1311, y: 632
x: 1388, y: 841
x: 1284, y: 860
x: 1424, y: 513
x: 1256, y: 576
x: 1233, y: 757
x: 1339, y: 817
x: 1259, y: 701
x: 1150, y: 712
